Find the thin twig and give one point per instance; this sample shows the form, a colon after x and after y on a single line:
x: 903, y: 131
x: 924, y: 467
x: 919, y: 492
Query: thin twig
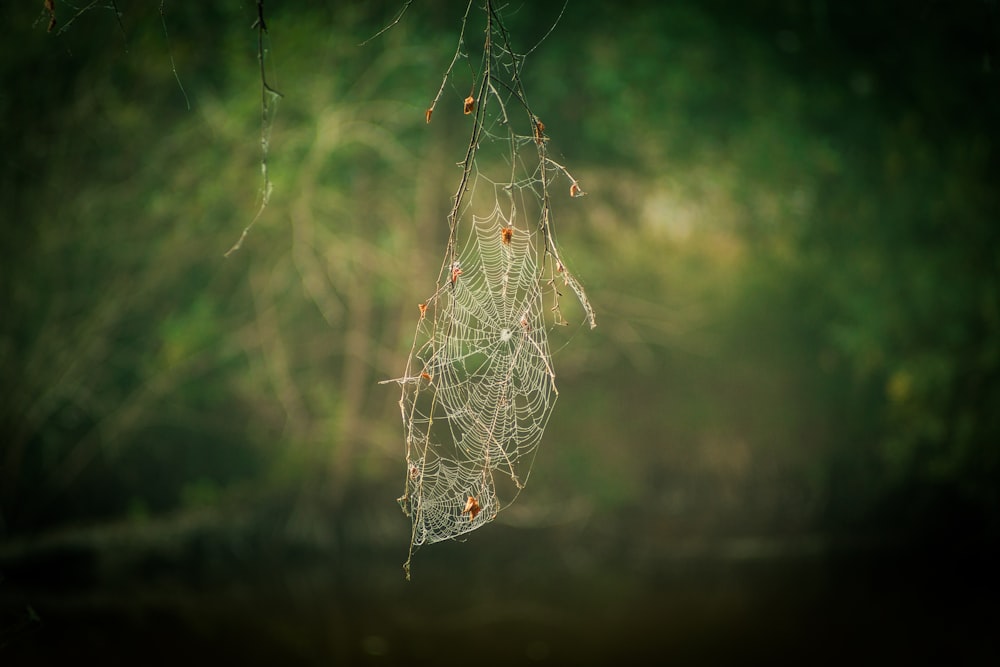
x: 66, y: 25
x: 402, y: 11
x: 173, y: 66
x: 549, y: 32
x: 267, y: 95
x: 261, y: 31
x: 118, y: 17
x: 447, y: 73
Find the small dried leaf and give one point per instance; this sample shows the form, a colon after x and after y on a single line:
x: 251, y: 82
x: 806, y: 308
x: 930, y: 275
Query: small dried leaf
x: 470, y: 104
x: 539, y: 129
x: 472, y: 508
x: 423, y: 309
x: 575, y: 191
x: 427, y: 115
x: 50, y: 7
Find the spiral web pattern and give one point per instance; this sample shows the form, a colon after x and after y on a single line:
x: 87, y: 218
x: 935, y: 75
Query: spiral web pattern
x: 479, y: 386
x: 483, y: 388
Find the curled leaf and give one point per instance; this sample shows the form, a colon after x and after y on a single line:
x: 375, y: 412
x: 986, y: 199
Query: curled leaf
x: 470, y: 104
x: 472, y: 508
x: 539, y: 129
x: 50, y: 7
x: 427, y: 115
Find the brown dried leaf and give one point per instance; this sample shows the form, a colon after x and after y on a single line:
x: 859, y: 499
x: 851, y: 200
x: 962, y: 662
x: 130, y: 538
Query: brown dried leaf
x: 539, y: 129
x: 50, y: 7
x: 472, y: 508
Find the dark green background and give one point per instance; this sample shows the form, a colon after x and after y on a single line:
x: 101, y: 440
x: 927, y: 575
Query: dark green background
x: 780, y: 443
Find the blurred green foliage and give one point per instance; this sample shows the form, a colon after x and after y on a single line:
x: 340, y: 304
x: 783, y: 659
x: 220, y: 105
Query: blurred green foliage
x: 790, y: 240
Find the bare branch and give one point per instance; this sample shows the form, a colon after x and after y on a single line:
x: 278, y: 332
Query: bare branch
x: 447, y: 73
x: 173, y: 66
x: 268, y: 97
x: 406, y: 5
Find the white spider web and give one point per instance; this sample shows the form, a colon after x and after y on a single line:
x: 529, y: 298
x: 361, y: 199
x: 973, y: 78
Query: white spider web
x: 479, y: 385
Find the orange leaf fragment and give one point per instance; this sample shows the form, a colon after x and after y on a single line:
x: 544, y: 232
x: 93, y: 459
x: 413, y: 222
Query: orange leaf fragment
x: 50, y: 7
x: 575, y: 191
x: 470, y: 104
x: 472, y: 508
x: 427, y: 115
x: 539, y: 129
x: 423, y: 309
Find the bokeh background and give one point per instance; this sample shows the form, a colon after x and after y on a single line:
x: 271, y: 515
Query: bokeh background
x: 780, y: 443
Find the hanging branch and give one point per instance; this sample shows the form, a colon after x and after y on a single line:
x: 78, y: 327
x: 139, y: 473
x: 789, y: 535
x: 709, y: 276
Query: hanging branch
x: 268, y: 96
x: 173, y: 66
x: 121, y: 26
x: 399, y: 16
x: 538, y: 131
x: 447, y: 73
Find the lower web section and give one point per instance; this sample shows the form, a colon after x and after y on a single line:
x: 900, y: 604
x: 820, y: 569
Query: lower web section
x: 441, y: 509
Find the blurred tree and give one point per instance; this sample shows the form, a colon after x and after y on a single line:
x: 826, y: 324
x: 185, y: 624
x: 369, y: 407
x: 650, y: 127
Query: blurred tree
x: 791, y: 239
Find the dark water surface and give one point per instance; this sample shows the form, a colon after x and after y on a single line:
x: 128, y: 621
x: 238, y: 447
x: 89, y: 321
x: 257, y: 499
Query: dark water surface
x: 212, y: 589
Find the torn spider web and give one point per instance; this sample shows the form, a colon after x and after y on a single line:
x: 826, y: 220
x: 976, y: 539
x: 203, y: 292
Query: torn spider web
x: 479, y: 385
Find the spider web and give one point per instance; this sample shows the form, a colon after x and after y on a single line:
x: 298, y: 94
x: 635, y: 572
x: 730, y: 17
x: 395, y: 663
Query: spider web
x: 479, y: 385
